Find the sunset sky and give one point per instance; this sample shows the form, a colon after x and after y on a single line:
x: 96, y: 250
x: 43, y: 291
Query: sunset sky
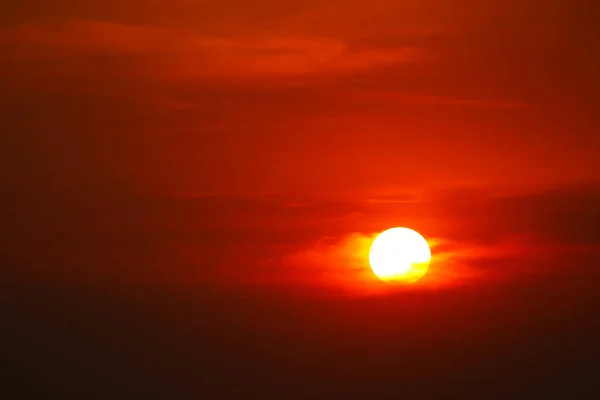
x: 236, y: 159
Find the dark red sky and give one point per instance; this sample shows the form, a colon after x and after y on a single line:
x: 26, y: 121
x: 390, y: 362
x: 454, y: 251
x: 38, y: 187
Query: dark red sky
x: 227, y: 164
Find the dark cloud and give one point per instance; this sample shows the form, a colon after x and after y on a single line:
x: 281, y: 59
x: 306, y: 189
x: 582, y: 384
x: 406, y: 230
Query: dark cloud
x: 566, y: 214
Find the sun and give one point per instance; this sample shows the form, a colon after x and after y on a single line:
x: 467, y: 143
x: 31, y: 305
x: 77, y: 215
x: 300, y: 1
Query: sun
x: 400, y: 255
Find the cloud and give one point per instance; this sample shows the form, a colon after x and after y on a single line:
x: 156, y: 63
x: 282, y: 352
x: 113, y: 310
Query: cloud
x: 178, y: 54
x: 499, y: 244
x: 567, y: 215
x: 311, y: 245
x: 426, y: 99
x: 339, y: 265
x: 328, y: 266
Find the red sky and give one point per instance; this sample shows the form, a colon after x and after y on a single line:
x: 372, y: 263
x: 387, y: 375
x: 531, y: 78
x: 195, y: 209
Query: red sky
x: 284, y: 126
x: 299, y: 120
x: 188, y: 190
x: 308, y: 97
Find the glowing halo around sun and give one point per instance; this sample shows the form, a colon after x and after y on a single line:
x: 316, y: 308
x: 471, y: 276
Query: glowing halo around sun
x: 399, y: 255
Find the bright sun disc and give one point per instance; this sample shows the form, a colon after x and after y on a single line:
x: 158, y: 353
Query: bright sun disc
x: 400, y: 254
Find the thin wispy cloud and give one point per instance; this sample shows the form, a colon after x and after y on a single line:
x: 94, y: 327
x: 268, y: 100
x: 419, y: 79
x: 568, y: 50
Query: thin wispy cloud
x: 178, y: 54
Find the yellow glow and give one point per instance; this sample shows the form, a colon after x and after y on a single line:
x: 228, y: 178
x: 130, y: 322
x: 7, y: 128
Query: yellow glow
x: 399, y: 254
